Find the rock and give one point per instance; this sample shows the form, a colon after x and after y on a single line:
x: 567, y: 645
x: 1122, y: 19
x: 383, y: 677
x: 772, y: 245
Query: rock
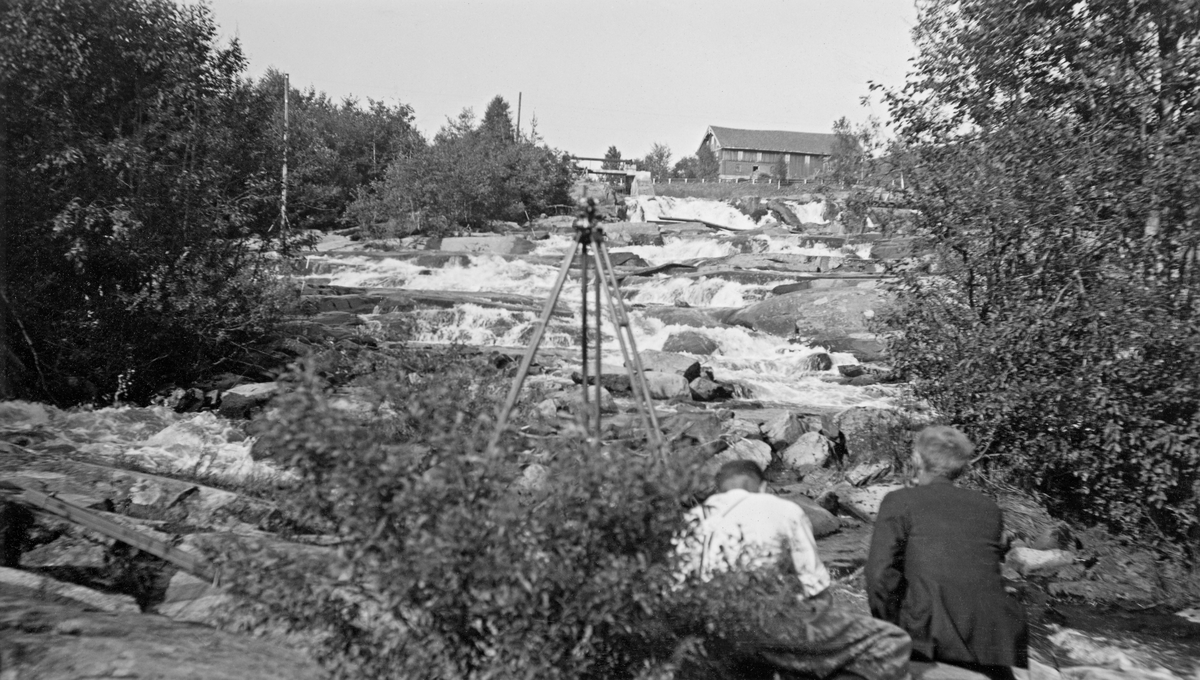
x: 865, y: 473
x: 572, y: 400
x: 690, y: 342
x: 811, y: 449
x: 743, y: 449
x: 627, y: 260
x: 1031, y: 562
x: 612, y: 377
x: 70, y: 593
x: 669, y: 362
x: 195, y: 600
x: 64, y: 641
x: 864, y: 380
x: 533, y: 478
x: 783, y: 430
x: 851, y: 370
x: 823, y: 521
x: 547, y: 409
x: 1056, y: 537
x: 697, y: 428
x: 488, y: 245
x: 666, y: 385
x: 816, y: 362
x: 742, y: 429
x: 15, y: 522
x: 875, y: 435
x: 237, y: 402
x: 837, y: 311
x: 681, y: 316
x: 863, y: 346
x: 704, y: 389
x: 338, y: 318
x: 67, y: 551
x: 864, y: 503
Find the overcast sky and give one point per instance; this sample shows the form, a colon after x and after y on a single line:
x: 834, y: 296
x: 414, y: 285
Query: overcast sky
x: 607, y: 72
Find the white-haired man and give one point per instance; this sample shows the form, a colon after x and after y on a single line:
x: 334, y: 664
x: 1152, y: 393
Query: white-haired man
x: 934, y: 565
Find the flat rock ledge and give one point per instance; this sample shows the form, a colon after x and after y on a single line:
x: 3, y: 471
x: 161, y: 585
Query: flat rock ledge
x: 63, y: 641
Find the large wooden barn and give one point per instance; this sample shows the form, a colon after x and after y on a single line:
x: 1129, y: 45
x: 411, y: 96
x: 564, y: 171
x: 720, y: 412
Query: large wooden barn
x: 746, y: 154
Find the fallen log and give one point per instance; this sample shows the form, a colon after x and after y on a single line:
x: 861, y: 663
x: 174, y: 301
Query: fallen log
x: 89, y: 520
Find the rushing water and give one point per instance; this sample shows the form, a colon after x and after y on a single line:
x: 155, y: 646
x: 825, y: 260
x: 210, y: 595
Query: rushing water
x: 765, y: 367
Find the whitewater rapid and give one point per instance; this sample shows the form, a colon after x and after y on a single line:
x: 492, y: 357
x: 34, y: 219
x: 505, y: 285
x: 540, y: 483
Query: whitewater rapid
x: 764, y: 367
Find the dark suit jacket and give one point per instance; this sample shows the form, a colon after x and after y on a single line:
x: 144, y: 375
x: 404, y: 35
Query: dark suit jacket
x: 934, y: 570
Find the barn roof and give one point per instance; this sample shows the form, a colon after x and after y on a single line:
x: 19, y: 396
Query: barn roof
x: 815, y: 143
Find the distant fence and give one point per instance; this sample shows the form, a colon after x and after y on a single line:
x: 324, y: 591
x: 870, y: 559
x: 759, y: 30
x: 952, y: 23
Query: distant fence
x: 889, y: 183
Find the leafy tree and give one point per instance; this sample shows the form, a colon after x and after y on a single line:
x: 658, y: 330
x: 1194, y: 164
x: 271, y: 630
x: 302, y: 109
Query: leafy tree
x: 469, y: 175
x: 122, y: 186
x: 780, y: 170
x: 497, y: 120
x: 613, y: 163
x: 687, y: 167
x: 658, y: 161
x: 1051, y: 151
x: 707, y: 165
x: 847, y: 159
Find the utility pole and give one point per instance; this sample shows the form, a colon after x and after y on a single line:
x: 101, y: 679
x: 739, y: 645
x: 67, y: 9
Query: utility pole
x: 518, y: 116
x: 283, y: 220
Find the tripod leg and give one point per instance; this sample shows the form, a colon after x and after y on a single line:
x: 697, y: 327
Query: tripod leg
x: 633, y: 363
x: 583, y: 315
x: 539, y: 330
x: 599, y: 337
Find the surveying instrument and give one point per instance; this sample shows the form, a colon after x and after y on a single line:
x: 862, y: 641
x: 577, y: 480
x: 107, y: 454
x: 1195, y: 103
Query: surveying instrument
x: 589, y: 238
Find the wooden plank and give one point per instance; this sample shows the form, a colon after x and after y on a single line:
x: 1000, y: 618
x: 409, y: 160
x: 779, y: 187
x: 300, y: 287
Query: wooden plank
x: 89, y: 520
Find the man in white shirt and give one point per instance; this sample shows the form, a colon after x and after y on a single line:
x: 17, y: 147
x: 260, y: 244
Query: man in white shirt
x: 742, y: 528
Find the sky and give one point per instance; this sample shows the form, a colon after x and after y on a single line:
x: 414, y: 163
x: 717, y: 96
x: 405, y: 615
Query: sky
x: 626, y: 73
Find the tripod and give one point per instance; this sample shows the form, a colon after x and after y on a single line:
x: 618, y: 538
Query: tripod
x: 590, y: 237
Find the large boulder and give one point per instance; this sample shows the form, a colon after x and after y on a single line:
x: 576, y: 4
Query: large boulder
x: 670, y: 362
x: 743, y: 449
x: 691, y: 342
x: 666, y: 385
x: 864, y: 503
x: 810, y: 450
x: 862, y: 346
x: 58, y: 639
x: 573, y: 400
x: 614, y: 378
x: 837, y: 311
x: 699, y: 428
x: 489, y: 245
x: 823, y: 521
x: 1031, y: 562
x: 704, y: 389
x: 783, y: 430
x: 238, y: 402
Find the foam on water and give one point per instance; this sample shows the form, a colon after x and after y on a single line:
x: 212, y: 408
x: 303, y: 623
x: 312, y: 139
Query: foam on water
x: 697, y: 292
x: 152, y: 438
x: 650, y: 208
x: 681, y: 250
x: 812, y: 212
x: 483, y: 273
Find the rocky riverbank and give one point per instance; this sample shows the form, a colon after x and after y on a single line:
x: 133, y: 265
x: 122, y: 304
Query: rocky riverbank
x: 757, y: 344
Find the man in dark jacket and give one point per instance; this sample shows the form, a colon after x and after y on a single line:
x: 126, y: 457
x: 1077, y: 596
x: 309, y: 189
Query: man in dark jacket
x: 934, y: 565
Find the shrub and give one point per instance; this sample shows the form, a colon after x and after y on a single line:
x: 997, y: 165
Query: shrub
x: 462, y: 574
x: 1056, y: 318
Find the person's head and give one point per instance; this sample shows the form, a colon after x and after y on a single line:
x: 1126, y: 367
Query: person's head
x: 942, y: 451
x: 740, y: 474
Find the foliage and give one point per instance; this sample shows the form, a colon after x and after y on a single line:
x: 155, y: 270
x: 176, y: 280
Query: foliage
x: 780, y: 170
x: 686, y: 168
x: 467, y: 176
x: 454, y: 570
x: 657, y: 162
x: 613, y: 162
x: 122, y: 132
x: 707, y: 165
x: 1051, y: 151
